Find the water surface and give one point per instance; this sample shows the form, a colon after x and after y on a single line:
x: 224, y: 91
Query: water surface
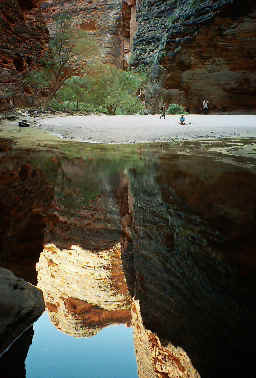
x: 144, y: 245
x: 53, y: 354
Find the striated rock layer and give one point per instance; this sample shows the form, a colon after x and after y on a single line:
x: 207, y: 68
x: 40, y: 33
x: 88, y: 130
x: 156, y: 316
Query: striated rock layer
x: 80, y: 291
x: 104, y: 19
x: 24, y: 38
x: 199, y: 50
x: 80, y: 268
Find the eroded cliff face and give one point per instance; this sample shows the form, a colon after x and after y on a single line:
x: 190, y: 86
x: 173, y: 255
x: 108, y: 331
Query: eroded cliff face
x: 23, y: 43
x: 199, y: 50
x: 109, y: 21
x: 80, y: 268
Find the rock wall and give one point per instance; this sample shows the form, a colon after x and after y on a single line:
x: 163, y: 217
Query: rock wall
x: 24, y: 40
x: 199, y: 50
x: 102, y: 19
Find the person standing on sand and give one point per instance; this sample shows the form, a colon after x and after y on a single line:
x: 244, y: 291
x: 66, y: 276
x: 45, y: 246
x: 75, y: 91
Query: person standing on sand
x: 163, y: 109
x: 205, y: 106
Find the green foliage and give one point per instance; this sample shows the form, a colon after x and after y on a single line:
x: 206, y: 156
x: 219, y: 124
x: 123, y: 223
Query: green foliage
x: 175, y: 109
x: 104, y: 89
x: 72, y: 79
x: 68, y: 55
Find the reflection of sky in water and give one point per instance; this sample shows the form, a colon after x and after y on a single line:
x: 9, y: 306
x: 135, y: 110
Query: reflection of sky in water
x: 109, y: 354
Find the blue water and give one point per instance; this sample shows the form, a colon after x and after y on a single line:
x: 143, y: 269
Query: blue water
x: 109, y: 354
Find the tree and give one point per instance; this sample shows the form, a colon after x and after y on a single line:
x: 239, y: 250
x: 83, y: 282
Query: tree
x: 73, y: 92
x: 68, y: 55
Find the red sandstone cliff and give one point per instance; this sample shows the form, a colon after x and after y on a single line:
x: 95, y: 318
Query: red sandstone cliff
x: 24, y: 38
x: 110, y: 21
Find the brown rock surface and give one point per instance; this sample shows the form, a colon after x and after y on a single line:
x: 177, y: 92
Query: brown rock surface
x: 23, y: 42
x: 101, y: 19
x: 22, y: 216
x: 216, y: 61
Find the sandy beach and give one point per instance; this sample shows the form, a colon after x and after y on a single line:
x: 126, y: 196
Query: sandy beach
x: 149, y: 128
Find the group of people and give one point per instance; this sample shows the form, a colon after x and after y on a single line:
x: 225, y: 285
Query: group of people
x: 182, y: 120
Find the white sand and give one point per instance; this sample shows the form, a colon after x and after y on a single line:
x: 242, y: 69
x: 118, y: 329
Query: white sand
x: 137, y: 128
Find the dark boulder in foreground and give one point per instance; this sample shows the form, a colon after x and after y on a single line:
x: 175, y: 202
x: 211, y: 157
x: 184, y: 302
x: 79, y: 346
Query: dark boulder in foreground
x: 20, y: 305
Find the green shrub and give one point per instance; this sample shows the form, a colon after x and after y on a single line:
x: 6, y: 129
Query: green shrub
x: 175, y: 109
x: 105, y: 89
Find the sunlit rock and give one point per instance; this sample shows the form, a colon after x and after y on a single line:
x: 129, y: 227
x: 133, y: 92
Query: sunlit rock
x: 83, y: 290
x: 156, y: 358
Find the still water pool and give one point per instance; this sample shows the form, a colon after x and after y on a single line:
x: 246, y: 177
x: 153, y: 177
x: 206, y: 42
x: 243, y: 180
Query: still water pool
x: 158, y: 237
x: 53, y: 354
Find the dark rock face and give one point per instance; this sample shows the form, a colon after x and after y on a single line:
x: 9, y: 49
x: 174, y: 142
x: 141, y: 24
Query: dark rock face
x: 24, y: 40
x: 22, y: 216
x: 192, y: 238
x: 200, y: 50
x: 20, y: 305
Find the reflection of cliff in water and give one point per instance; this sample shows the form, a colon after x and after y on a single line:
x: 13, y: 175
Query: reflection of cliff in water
x: 79, y: 270
x: 191, y: 263
x: 156, y: 358
x: 83, y: 291
x: 183, y: 224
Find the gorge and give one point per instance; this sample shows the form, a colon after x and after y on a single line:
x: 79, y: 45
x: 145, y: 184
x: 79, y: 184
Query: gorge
x: 172, y: 39
x: 130, y: 253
